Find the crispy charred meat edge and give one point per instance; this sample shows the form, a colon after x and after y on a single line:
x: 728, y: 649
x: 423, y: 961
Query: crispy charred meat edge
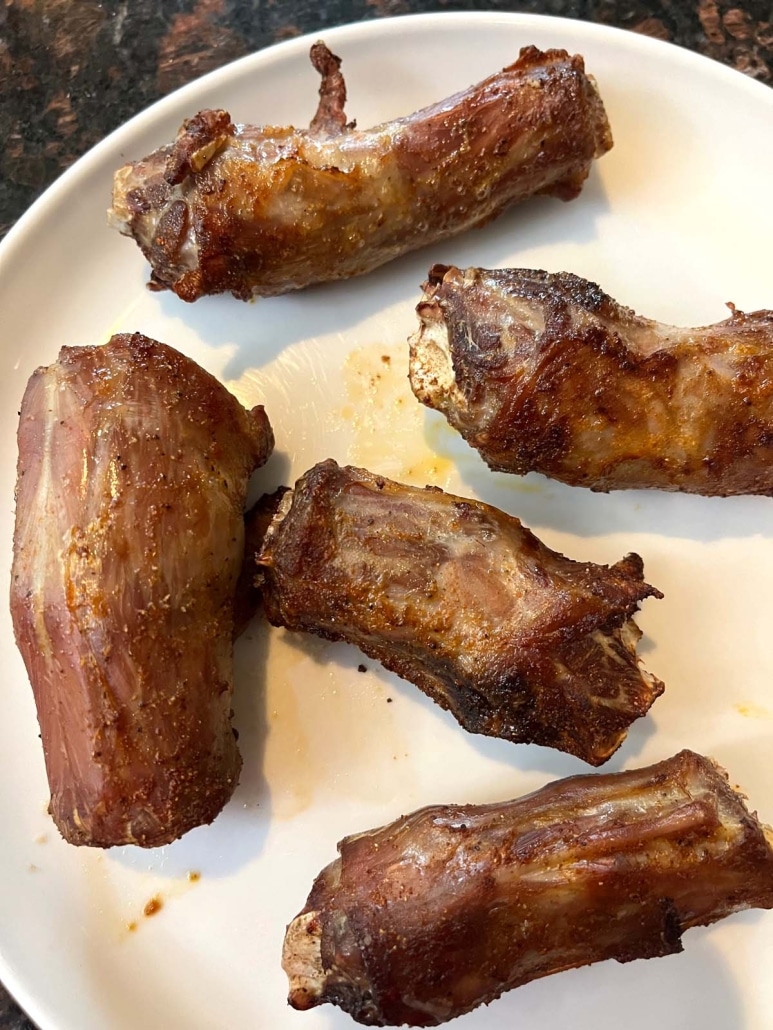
x: 557, y: 692
x: 586, y: 869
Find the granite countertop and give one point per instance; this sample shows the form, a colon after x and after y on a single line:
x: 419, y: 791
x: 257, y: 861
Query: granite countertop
x: 71, y: 71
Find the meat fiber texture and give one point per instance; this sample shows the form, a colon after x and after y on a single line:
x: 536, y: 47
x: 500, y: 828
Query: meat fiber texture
x: 546, y: 373
x: 132, y: 479
x: 264, y: 210
x: 514, y: 639
x: 444, y: 909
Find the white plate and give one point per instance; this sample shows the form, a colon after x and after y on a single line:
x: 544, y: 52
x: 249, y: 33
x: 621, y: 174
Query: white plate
x: 674, y: 221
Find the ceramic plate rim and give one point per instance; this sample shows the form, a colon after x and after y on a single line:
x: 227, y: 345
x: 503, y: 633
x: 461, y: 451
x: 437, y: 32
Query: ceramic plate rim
x: 19, y: 983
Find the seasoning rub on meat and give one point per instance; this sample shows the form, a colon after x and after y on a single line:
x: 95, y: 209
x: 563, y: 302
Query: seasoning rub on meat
x: 546, y: 373
x: 261, y: 211
x: 445, y: 909
x: 132, y: 479
x: 514, y: 639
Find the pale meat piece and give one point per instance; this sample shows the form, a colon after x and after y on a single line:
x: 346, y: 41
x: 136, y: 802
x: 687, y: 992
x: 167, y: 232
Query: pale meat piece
x: 445, y: 909
x: 129, y: 539
x: 546, y: 373
x: 264, y: 210
x: 514, y: 639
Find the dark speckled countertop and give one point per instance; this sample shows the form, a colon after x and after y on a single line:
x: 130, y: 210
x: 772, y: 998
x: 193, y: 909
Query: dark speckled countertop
x: 71, y: 71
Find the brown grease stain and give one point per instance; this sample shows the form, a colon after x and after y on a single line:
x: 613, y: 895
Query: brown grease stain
x: 329, y: 732
x: 752, y: 711
x: 175, y: 889
x: 387, y: 421
x: 285, y: 762
x: 432, y: 470
x: 154, y: 906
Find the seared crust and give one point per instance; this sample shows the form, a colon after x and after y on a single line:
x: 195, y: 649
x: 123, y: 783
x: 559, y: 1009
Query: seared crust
x: 132, y: 478
x: 261, y: 211
x: 546, y: 373
x: 515, y: 640
x: 330, y: 119
x: 445, y: 909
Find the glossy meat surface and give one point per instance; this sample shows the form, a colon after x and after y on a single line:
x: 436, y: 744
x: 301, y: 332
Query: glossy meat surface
x: 546, y: 373
x: 515, y: 640
x: 132, y: 478
x: 445, y: 909
x: 262, y: 211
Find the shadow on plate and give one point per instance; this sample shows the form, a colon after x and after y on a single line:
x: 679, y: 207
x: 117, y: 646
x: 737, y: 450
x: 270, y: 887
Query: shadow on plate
x: 261, y: 330
x: 362, y: 741
x: 540, y: 502
x: 692, y: 991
